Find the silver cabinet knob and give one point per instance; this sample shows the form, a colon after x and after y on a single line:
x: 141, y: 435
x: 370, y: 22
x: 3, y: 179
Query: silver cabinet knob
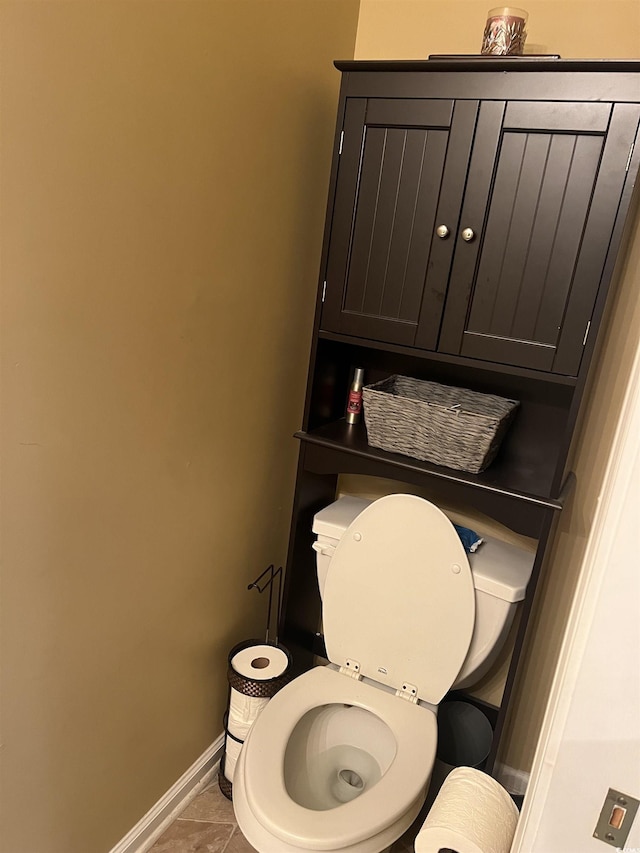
x: 442, y: 231
x: 468, y: 235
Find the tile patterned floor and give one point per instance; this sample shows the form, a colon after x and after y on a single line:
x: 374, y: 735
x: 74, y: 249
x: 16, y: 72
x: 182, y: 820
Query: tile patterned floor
x: 208, y: 825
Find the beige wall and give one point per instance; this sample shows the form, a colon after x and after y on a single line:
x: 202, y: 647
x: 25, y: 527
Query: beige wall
x: 164, y: 174
x: 410, y: 29
x: 414, y: 29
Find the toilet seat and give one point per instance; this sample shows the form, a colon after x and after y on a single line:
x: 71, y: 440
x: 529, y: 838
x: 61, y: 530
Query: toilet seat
x: 415, y: 732
x: 399, y: 600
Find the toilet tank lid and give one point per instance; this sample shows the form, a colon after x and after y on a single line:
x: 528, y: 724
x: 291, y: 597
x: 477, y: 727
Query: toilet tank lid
x: 334, y: 519
x: 501, y: 569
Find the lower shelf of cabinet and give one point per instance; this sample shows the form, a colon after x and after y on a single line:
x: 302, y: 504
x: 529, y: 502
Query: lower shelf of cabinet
x: 528, y: 480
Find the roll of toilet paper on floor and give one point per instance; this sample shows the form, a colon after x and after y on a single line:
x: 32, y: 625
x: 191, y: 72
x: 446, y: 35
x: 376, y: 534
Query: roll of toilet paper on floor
x: 471, y: 814
x: 231, y: 754
x: 243, y: 712
x: 260, y: 662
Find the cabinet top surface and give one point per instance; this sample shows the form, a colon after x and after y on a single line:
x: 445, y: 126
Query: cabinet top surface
x: 490, y: 63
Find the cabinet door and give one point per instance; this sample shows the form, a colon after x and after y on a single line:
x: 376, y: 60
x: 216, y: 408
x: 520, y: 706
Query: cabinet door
x: 545, y: 181
x: 401, y: 174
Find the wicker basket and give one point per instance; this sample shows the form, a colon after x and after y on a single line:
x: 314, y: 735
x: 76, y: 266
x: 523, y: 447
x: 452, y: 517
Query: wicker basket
x: 436, y: 423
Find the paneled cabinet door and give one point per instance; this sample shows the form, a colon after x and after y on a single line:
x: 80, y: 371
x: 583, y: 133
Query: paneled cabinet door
x: 545, y: 181
x: 400, y: 182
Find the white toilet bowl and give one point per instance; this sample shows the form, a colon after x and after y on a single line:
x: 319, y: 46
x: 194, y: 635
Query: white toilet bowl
x: 345, y: 764
x: 340, y: 759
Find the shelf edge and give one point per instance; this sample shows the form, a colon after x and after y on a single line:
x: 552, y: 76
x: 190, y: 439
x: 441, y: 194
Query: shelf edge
x: 547, y: 503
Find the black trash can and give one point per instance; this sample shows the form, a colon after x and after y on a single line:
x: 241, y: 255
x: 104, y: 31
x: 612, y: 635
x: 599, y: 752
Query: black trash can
x: 465, y: 736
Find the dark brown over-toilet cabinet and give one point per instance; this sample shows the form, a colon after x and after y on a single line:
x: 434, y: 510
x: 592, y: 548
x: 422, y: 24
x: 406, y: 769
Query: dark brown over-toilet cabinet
x: 475, y: 227
x: 476, y: 211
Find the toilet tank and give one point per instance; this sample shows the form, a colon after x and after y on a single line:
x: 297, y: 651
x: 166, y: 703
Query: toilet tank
x: 500, y: 570
x: 329, y: 526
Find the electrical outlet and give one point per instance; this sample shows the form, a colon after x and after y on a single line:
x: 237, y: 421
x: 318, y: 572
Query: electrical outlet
x: 616, y: 818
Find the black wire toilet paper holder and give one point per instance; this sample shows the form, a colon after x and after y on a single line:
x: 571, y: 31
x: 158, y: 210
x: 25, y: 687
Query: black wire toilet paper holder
x: 273, y: 573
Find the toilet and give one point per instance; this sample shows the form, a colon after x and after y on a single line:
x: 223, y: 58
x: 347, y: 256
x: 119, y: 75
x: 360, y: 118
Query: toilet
x: 340, y: 759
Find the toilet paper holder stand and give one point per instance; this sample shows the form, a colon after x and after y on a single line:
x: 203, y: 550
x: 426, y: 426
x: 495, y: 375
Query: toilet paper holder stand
x: 260, y: 686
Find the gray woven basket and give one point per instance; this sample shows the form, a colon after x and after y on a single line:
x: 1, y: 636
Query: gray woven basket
x: 448, y: 426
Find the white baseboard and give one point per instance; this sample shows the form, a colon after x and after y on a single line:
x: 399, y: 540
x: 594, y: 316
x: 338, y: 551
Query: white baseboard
x: 514, y: 780
x: 147, y: 831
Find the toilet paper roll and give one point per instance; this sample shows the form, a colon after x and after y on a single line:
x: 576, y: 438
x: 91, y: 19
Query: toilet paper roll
x: 471, y: 814
x: 243, y: 712
x: 231, y: 754
x: 261, y: 662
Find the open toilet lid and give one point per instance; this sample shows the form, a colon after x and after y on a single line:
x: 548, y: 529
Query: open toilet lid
x: 399, y: 597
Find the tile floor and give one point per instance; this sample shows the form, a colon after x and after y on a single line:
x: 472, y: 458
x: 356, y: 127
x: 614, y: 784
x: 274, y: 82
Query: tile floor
x: 208, y: 825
